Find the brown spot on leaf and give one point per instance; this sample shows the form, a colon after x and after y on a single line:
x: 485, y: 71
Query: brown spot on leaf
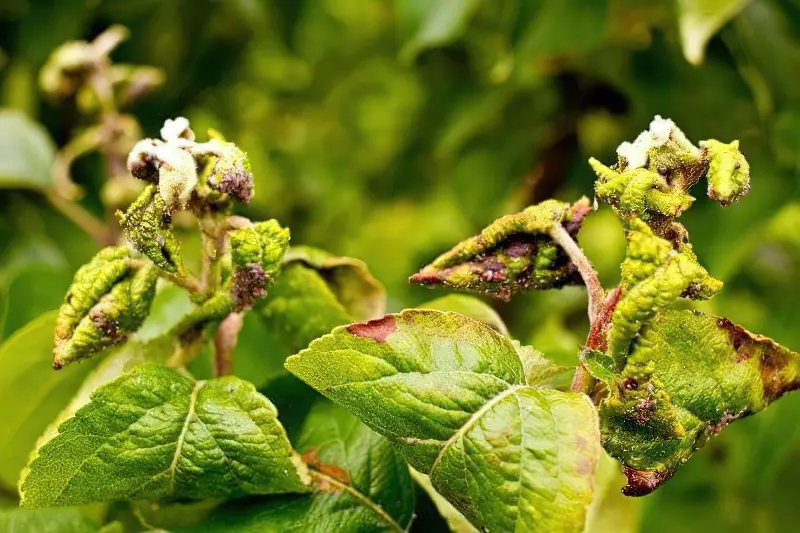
x: 643, y: 410
x: 377, y: 329
x: 643, y: 482
x: 777, y: 377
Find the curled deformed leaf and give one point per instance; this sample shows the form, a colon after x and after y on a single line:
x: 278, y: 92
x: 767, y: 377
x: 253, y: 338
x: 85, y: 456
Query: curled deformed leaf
x: 106, y: 302
x: 686, y: 378
x: 728, y: 171
x: 256, y: 253
x: 654, y: 173
x: 654, y: 278
x: 146, y: 224
x: 513, y: 254
x: 355, y: 287
x: 450, y: 391
x: 639, y: 191
x: 229, y: 171
x: 155, y: 434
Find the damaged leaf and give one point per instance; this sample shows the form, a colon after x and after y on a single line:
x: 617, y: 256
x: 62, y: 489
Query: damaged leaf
x: 107, y: 301
x: 355, y: 287
x: 147, y: 225
x: 653, y: 174
x: 687, y: 377
x: 513, y: 254
x: 154, y: 433
x: 256, y: 253
x: 728, y: 171
x: 654, y: 278
x: 449, y: 391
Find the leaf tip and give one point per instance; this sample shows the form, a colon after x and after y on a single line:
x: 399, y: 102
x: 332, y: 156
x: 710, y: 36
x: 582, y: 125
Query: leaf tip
x: 643, y: 482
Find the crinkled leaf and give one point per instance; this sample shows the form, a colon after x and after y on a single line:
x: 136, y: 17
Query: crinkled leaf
x: 686, y: 378
x: 468, y: 306
x: 362, y: 484
x: 654, y: 173
x: 46, y: 521
x: 728, y: 171
x: 450, y: 392
x: 654, y: 278
x: 256, y: 253
x: 106, y: 302
x: 31, y: 392
x: 26, y: 152
x: 513, y: 254
x: 155, y: 434
x: 147, y: 225
x: 350, y: 280
x: 699, y: 20
x: 118, y: 362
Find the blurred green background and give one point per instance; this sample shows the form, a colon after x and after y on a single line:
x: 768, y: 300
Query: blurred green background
x: 389, y: 130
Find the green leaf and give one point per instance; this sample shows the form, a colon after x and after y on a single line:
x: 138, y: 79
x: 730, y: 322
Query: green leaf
x: 346, y: 456
x: 686, y: 378
x: 699, y: 20
x: 350, y: 280
x: 26, y: 152
x: 28, y: 382
x: 299, y: 308
x: 471, y: 307
x: 431, y: 24
x: 451, y: 394
x: 513, y: 254
x: 362, y: 484
x: 611, y: 510
x: 46, y: 521
x: 154, y: 434
x: 116, y: 363
x: 456, y: 521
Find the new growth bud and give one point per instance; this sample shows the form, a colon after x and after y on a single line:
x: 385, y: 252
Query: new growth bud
x: 176, y: 161
x: 654, y: 173
x: 256, y: 254
x: 108, y: 300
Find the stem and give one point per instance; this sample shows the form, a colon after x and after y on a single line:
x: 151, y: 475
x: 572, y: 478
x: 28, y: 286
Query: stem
x: 582, y: 380
x: 588, y: 273
x: 81, y: 217
x: 225, y: 339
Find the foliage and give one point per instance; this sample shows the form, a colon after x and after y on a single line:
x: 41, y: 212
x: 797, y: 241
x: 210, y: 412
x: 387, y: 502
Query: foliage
x: 387, y: 131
